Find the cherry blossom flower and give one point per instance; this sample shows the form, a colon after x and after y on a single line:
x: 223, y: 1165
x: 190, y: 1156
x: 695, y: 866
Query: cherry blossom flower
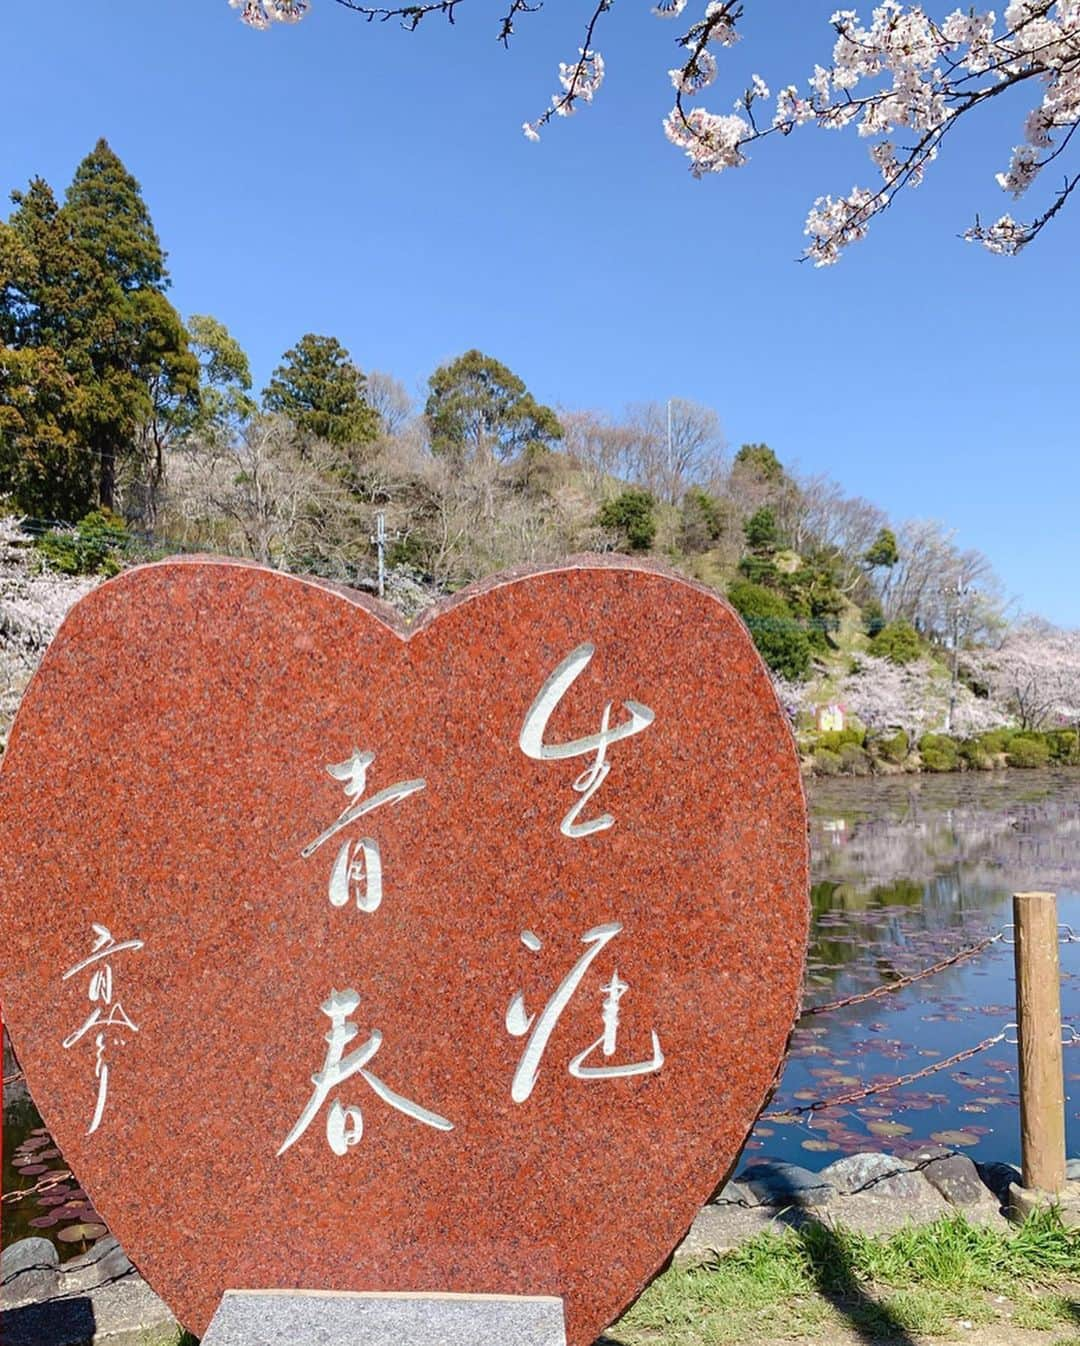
x: 901, y: 70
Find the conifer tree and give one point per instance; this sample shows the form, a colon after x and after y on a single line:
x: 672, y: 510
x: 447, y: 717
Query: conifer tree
x: 109, y: 219
x: 145, y: 374
x: 52, y: 297
x: 91, y: 351
x: 319, y: 388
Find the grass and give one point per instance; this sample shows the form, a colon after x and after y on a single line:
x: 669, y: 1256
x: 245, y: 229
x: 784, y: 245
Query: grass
x: 944, y: 1278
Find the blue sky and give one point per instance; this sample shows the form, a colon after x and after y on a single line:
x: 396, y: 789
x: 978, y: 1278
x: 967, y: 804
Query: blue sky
x: 352, y: 179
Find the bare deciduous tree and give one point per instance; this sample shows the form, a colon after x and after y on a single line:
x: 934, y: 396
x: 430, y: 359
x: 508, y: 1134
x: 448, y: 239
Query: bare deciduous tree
x: 676, y: 444
x: 390, y: 398
x: 270, y: 496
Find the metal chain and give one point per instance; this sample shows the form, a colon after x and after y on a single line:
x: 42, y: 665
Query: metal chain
x: 1069, y: 1038
x: 889, y: 987
x: 1066, y: 934
x: 42, y: 1185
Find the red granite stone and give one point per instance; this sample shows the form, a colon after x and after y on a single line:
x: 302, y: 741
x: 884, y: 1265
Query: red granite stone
x: 164, y: 776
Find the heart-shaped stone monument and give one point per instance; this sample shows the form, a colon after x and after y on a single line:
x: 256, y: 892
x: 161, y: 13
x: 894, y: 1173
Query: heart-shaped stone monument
x: 343, y: 956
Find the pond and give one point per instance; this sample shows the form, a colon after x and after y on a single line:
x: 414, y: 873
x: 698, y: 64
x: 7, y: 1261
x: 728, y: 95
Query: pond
x: 906, y: 870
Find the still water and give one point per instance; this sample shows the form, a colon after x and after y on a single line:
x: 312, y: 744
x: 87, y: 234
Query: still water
x: 906, y: 870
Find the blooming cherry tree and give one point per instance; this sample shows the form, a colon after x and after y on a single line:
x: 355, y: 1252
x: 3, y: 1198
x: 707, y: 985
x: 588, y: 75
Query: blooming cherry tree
x: 885, y: 696
x: 903, y: 73
x: 1036, y: 671
x: 33, y: 603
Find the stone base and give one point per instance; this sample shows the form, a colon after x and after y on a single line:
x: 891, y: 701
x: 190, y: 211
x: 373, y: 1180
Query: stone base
x: 321, y: 1318
x: 1023, y: 1201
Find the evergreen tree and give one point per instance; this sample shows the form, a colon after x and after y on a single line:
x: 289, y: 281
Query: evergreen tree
x: 781, y: 640
x: 760, y: 531
x: 883, y: 551
x: 110, y: 221
x: 94, y: 362
x: 480, y: 410
x: 146, y: 377
x: 631, y: 515
x: 321, y: 391
x: 759, y: 460
x: 52, y: 297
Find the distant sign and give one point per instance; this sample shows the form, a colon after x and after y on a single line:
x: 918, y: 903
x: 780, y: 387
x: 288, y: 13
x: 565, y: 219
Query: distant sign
x: 831, y: 719
x: 346, y: 957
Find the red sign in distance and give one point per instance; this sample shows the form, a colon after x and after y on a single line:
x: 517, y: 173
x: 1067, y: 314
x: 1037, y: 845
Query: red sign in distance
x: 345, y: 956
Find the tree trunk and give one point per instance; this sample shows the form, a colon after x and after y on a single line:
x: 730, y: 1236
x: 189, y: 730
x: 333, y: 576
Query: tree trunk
x: 107, y: 475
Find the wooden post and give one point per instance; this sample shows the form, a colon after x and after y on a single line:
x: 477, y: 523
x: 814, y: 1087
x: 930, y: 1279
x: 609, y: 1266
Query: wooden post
x: 1038, y: 1016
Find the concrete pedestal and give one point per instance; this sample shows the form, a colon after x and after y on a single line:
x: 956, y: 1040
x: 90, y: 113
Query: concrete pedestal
x: 321, y: 1318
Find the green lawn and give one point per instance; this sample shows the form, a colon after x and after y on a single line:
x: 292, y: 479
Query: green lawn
x: 948, y: 1278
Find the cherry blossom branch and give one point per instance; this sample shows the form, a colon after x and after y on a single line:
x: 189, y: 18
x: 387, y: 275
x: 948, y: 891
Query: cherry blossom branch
x: 506, y: 24
x: 411, y: 16
x: 1042, y: 40
x: 1007, y: 237
x: 928, y: 74
x: 581, y: 79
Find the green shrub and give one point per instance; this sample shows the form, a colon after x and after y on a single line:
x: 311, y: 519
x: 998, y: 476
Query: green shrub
x: 896, y: 748
x: 701, y: 521
x: 759, y: 569
x: 854, y: 761
x: 409, y: 550
x: 873, y: 617
x: 1063, y: 747
x: 938, y: 753
x: 974, y: 755
x: 995, y: 740
x: 1028, y: 751
x: 779, y: 637
x: 761, y: 532
x: 897, y: 642
x: 826, y: 763
x: 631, y: 515
x: 835, y: 739
x: 92, y: 547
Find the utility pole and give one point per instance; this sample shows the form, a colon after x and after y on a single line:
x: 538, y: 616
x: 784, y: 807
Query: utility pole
x: 380, y: 542
x: 957, y: 593
x: 671, y: 455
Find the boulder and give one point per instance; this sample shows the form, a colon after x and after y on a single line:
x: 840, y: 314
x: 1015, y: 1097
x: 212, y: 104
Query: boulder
x: 958, y: 1181
x: 29, y: 1270
x: 735, y: 1194
x: 105, y: 1262
x: 998, y: 1177
x: 776, y: 1183
x: 880, y: 1174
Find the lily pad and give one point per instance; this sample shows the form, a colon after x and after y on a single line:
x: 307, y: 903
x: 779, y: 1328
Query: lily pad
x: 79, y: 1233
x: 888, y: 1129
x: 954, y: 1137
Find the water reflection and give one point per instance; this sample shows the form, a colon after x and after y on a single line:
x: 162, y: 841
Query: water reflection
x: 905, y: 871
